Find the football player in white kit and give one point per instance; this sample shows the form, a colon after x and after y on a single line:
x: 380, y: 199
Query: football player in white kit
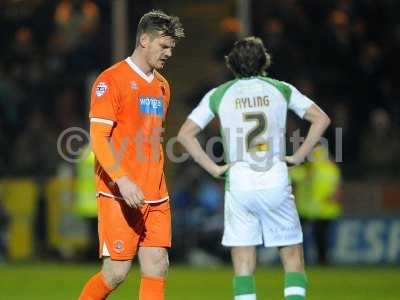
x: 259, y: 205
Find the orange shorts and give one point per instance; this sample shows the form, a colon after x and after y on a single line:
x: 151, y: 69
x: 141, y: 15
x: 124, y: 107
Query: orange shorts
x: 123, y: 229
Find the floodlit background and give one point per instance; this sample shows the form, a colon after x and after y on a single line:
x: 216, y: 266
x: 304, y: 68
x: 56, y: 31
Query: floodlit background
x: 343, y: 54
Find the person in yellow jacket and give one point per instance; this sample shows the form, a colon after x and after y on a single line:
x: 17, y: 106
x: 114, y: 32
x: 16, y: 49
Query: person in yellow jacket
x: 85, y: 196
x: 85, y: 190
x: 316, y: 188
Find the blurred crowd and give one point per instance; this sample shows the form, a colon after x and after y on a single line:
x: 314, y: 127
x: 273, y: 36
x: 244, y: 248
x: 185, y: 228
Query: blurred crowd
x: 343, y: 54
x: 49, y: 50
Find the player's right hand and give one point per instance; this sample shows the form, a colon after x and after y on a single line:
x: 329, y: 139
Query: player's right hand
x: 219, y: 171
x: 131, y: 193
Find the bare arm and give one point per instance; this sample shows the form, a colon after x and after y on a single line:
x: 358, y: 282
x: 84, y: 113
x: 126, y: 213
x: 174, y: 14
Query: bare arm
x: 319, y: 123
x: 187, y: 137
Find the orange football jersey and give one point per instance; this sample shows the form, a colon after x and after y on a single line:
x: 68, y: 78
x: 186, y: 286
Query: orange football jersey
x: 135, y: 104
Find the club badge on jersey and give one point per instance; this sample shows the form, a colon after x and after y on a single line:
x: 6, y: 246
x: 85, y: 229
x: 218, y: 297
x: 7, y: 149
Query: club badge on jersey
x: 101, y: 88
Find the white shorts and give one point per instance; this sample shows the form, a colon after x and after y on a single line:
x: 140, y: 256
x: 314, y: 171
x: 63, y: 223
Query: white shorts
x: 258, y: 217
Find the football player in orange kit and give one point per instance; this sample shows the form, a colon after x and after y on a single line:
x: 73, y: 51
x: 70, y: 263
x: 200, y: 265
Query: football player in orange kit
x: 129, y: 102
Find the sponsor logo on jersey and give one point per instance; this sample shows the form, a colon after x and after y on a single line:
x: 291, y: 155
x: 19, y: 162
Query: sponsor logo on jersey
x: 150, y: 105
x: 101, y: 88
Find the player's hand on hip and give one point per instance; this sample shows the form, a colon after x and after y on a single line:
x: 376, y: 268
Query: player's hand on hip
x: 219, y: 171
x: 131, y: 193
x: 293, y: 160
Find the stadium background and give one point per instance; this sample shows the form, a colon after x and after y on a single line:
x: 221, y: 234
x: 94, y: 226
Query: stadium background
x: 342, y: 53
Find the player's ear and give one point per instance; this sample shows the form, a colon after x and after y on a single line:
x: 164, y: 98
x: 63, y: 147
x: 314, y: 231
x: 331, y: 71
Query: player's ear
x: 144, y: 40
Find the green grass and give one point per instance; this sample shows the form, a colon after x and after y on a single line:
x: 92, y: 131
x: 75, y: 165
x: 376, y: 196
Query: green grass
x: 64, y: 281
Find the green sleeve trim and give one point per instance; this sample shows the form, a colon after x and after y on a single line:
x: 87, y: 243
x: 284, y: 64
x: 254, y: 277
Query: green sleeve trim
x: 226, y: 151
x: 283, y: 88
x: 216, y: 97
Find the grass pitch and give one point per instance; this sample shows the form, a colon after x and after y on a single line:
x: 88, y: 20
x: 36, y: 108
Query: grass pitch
x: 64, y: 282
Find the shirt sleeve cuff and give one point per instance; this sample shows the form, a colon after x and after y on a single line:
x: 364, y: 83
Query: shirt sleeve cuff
x: 116, y: 173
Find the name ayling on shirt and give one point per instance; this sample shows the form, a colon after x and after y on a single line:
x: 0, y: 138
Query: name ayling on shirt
x: 250, y: 102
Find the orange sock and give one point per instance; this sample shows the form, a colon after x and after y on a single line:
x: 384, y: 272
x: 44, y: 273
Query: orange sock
x: 96, y: 288
x: 151, y: 288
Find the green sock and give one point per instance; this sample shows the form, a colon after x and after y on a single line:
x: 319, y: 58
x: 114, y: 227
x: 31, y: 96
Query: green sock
x: 295, y: 286
x: 244, y: 288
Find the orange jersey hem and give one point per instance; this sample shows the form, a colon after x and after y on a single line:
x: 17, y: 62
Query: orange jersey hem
x: 166, y: 198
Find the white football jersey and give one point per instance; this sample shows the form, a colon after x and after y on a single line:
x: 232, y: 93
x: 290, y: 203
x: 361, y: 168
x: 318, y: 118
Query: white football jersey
x: 252, y: 113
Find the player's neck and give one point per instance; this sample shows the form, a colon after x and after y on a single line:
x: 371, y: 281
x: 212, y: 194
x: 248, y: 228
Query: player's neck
x: 138, y: 59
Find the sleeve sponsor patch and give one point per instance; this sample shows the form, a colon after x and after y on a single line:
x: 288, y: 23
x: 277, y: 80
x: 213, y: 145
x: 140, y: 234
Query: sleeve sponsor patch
x: 101, y: 88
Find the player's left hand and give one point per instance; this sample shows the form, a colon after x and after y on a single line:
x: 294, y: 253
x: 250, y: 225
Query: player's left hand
x: 293, y: 160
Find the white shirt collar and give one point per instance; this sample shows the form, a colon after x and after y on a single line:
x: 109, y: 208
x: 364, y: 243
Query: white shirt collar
x: 148, y: 78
